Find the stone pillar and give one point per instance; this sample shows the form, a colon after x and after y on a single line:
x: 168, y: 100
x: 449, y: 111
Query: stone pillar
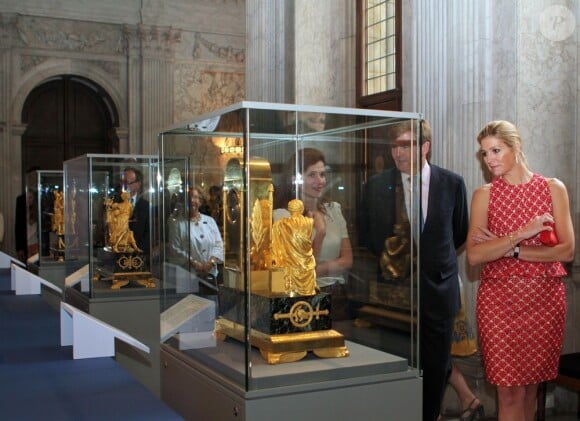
x: 150, y: 79
x: 270, y: 51
x: 301, y: 52
x: 325, y: 52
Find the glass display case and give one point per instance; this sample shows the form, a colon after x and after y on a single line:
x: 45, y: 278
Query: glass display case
x: 45, y: 216
x: 112, y: 251
x: 110, y: 204
x: 49, y: 196
x: 274, y: 274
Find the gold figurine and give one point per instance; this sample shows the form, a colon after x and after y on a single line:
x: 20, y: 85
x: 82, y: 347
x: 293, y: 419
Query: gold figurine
x: 121, y: 238
x: 58, y: 215
x: 396, y: 257
x: 260, y: 229
x: 292, y: 250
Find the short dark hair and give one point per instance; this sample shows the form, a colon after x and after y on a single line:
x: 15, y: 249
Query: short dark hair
x: 137, y: 172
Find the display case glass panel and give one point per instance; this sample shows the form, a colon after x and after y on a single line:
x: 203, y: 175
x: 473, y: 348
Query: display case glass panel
x: 49, y: 193
x: 267, y: 290
x: 111, y: 224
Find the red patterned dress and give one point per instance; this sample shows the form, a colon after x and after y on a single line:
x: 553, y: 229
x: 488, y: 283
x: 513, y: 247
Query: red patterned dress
x: 521, y: 306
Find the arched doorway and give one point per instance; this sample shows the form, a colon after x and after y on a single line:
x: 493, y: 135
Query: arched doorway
x: 66, y: 116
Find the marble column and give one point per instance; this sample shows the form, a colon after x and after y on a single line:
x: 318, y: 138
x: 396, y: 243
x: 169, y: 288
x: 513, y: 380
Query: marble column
x: 150, y: 76
x: 301, y: 52
x: 270, y: 51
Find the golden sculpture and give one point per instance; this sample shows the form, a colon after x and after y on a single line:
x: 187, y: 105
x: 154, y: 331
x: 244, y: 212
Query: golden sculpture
x: 396, y: 257
x: 282, y: 279
x: 58, y: 214
x: 261, y: 225
x: 72, y: 217
x: 292, y: 250
x: 121, y: 238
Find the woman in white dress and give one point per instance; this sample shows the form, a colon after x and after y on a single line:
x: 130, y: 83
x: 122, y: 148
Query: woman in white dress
x: 196, y: 241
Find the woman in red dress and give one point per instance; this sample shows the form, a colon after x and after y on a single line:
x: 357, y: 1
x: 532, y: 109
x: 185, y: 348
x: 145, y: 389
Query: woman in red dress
x: 520, y: 230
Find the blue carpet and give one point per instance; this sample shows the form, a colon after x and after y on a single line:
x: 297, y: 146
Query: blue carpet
x: 39, y: 380
x: 5, y: 281
x: 90, y: 389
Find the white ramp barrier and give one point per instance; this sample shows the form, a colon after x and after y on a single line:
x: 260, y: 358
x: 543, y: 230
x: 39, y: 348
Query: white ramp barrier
x: 82, y: 276
x: 89, y: 336
x: 23, y: 282
x: 6, y: 261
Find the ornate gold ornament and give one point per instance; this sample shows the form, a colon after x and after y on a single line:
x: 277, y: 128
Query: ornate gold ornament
x: 301, y: 314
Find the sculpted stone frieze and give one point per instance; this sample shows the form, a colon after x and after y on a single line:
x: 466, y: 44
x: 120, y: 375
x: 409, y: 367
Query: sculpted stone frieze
x: 225, y: 52
x: 89, y: 37
x: 198, y: 90
x: 152, y: 39
x: 46, y: 33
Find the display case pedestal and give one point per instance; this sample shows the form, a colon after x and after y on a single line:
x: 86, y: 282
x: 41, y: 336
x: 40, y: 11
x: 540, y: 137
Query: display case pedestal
x: 135, y: 314
x: 370, y: 384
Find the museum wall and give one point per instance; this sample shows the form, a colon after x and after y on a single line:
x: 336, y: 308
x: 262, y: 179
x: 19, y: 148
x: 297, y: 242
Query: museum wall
x: 160, y: 63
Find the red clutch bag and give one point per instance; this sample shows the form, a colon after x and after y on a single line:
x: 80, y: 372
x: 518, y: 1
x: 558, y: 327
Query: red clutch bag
x: 549, y: 238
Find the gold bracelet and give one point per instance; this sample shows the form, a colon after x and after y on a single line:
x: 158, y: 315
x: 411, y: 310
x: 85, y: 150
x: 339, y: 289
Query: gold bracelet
x: 511, y: 238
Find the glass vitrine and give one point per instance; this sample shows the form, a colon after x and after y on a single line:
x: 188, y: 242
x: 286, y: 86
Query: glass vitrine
x: 49, y: 197
x: 296, y: 285
x: 110, y: 204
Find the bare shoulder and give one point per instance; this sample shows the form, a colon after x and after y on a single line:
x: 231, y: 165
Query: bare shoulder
x: 480, y: 200
x: 558, y: 189
x: 482, y: 192
x: 555, y: 183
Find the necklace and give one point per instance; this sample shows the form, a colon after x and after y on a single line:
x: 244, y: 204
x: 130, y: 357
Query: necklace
x: 196, y: 219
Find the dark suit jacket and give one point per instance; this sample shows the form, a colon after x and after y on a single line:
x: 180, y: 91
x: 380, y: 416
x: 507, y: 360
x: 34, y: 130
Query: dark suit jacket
x: 140, y: 223
x: 444, y: 231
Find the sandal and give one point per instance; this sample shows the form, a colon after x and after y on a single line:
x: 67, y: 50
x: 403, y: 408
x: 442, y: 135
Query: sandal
x: 472, y: 412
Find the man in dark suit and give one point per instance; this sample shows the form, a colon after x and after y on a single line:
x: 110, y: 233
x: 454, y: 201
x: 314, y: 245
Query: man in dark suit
x: 444, y: 213
x: 139, y: 223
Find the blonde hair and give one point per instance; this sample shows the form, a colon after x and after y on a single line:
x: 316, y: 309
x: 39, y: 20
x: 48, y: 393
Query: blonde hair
x: 508, y: 133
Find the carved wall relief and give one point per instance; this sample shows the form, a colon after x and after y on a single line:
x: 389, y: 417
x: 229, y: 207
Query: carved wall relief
x: 226, y: 52
x: 45, y: 33
x: 199, y: 90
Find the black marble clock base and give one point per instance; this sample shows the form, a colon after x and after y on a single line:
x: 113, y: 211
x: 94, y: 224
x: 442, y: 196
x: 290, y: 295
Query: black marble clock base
x: 126, y: 268
x: 287, y: 347
x: 284, y: 328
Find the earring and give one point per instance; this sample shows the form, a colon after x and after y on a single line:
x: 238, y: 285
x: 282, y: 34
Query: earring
x: 517, y: 159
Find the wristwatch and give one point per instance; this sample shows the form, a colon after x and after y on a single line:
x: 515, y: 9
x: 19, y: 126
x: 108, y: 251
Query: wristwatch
x: 517, y: 251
